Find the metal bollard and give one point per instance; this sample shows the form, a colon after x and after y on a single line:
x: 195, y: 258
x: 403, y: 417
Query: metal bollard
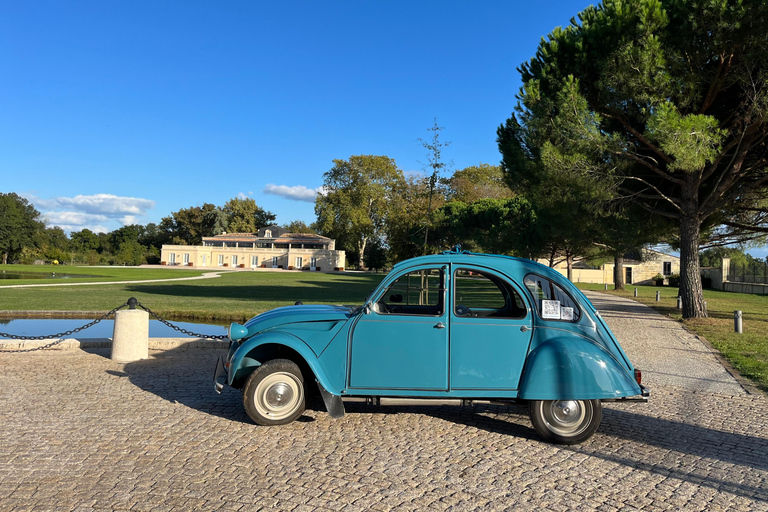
x: 737, y: 325
x: 705, y: 309
x: 658, y: 296
x: 635, y: 292
x: 606, y: 286
x: 679, y: 302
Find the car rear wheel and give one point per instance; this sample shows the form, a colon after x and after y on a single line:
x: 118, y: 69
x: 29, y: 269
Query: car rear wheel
x: 274, y: 393
x: 566, y: 421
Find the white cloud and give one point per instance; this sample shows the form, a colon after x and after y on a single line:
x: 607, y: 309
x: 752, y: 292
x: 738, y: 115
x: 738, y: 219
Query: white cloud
x: 92, y: 212
x: 76, y: 221
x: 243, y: 195
x: 297, y: 193
x: 107, y: 204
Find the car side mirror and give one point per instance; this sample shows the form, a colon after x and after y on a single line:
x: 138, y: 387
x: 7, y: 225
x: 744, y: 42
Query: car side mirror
x: 396, y: 298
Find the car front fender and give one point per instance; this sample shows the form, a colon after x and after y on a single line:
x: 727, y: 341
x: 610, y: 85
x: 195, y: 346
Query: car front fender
x: 273, y: 344
x: 574, y: 368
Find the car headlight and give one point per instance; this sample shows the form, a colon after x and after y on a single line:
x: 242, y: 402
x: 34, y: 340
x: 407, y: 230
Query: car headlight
x: 236, y: 331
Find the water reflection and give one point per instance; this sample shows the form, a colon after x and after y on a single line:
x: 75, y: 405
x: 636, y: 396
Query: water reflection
x: 49, y: 326
x: 40, y: 275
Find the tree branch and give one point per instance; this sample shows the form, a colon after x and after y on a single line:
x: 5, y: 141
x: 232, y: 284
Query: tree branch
x: 637, y: 134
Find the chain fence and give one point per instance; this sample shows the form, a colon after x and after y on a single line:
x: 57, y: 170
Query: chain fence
x: 131, y: 303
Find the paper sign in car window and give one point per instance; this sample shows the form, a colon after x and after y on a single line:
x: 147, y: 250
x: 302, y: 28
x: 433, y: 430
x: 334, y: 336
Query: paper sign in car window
x: 550, y: 309
x: 566, y: 313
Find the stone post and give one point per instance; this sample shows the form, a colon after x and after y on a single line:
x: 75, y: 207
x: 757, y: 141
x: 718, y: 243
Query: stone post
x: 130, y: 337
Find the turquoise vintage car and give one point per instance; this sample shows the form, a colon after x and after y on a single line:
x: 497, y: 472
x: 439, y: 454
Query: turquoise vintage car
x: 455, y: 325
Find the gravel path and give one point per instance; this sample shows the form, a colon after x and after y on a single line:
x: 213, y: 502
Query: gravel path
x: 663, y: 349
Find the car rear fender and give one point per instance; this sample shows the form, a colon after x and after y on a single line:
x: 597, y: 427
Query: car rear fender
x: 574, y: 368
x: 275, y: 345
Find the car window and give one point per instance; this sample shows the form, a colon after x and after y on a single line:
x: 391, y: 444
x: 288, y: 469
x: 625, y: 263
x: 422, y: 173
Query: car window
x: 421, y: 292
x: 478, y: 294
x: 552, y: 302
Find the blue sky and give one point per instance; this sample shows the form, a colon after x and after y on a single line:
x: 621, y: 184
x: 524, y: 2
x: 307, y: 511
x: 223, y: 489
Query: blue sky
x: 123, y: 111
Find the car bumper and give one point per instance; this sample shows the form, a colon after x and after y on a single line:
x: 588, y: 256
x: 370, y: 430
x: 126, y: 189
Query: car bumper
x: 643, y: 397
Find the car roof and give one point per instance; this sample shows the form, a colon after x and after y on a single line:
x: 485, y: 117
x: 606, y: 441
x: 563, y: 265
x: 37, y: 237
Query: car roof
x: 511, y: 265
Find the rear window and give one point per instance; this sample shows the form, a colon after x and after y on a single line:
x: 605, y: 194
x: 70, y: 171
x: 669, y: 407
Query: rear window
x: 552, y: 302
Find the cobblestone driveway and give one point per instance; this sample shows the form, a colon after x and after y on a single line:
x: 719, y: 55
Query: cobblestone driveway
x: 80, y: 432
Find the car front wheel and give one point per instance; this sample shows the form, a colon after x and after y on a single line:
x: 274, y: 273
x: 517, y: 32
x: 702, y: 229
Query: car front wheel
x: 274, y: 393
x: 566, y: 421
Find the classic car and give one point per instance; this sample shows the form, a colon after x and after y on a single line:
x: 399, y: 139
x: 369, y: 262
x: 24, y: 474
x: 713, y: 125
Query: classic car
x: 456, y: 325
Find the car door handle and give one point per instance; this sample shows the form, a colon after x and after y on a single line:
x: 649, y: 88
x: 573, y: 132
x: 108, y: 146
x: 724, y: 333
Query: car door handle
x: 525, y: 328
x: 440, y: 325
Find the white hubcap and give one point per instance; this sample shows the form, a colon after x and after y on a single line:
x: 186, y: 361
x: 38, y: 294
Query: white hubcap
x: 278, y: 395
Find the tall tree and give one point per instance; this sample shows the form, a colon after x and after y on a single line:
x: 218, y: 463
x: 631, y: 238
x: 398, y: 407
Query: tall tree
x: 357, y: 201
x: 674, y: 98
x: 245, y: 216
x: 19, y: 221
x: 434, y: 147
x: 477, y: 182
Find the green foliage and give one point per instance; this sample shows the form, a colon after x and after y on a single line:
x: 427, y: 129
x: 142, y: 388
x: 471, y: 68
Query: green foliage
x: 245, y: 216
x: 299, y: 226
x: 19, y: 223
x: 357, y: 202
x: 664, y: 103
x: 499, y: 226
x: 477, y: 182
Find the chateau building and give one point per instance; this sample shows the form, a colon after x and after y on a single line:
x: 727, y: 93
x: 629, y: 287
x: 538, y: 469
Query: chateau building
x: 270, y: 247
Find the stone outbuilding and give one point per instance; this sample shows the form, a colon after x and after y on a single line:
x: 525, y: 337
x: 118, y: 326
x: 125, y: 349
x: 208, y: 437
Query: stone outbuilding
x: 270, y: 247
x: 638, y: 269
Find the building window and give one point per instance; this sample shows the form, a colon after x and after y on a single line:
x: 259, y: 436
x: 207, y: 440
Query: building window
x: 667, y: 268
x: 274, y: 261
x: 313, y: 262
x: 299, y: 261
x: 254, y: 261
x: 221, y: 260
x: 268, y: 233
x: 172, y: 258
x: 186, y: 258
x: 234, y: 260
x: 205, y: 260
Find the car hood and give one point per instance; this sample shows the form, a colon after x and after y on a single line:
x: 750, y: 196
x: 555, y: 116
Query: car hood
x: 298, y: 314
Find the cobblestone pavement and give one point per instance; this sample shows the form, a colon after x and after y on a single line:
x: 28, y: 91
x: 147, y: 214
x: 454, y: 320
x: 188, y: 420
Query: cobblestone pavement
x: 81, y: 432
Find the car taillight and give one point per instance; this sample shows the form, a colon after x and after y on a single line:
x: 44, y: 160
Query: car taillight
x: 638, y: 375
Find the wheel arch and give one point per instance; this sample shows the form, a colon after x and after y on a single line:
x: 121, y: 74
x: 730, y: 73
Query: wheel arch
x: 571, y: 367
x: 264, y: 347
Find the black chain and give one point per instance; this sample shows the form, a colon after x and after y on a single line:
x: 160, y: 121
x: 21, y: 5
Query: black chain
x: 131, y: 302
x: 61, y: 336
x: 183, y: 331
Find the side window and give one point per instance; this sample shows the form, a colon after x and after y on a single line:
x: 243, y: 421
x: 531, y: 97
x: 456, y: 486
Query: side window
x: 478, y: 294
x: 421, y: 292
x: 552, y: 302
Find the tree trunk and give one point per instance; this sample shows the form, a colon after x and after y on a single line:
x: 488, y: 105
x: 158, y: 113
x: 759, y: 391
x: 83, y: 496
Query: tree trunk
x: 569, y: 265
x: 618, y: 272
x: 690, y: 232
x: 690, y: 273
x: 361, y: 253
x: 5, y: 258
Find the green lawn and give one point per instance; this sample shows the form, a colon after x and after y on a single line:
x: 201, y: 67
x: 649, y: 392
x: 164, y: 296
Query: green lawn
x: 747, y: 352
x: 235, y: 296
x: 101, y: 273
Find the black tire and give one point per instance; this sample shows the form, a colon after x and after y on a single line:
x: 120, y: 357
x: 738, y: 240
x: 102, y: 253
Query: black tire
x: 274, y: 393
x: 566, y: 421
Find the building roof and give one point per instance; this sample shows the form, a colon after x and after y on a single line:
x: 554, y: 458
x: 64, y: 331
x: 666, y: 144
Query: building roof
x: 253, y: 237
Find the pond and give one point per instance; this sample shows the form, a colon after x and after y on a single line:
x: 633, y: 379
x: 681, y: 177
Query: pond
x: 49, y: 326
x: 40, y: 275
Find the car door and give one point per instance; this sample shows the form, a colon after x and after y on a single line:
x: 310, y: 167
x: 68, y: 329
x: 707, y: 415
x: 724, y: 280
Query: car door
x: 491, y: 328
x: 401, y: 342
